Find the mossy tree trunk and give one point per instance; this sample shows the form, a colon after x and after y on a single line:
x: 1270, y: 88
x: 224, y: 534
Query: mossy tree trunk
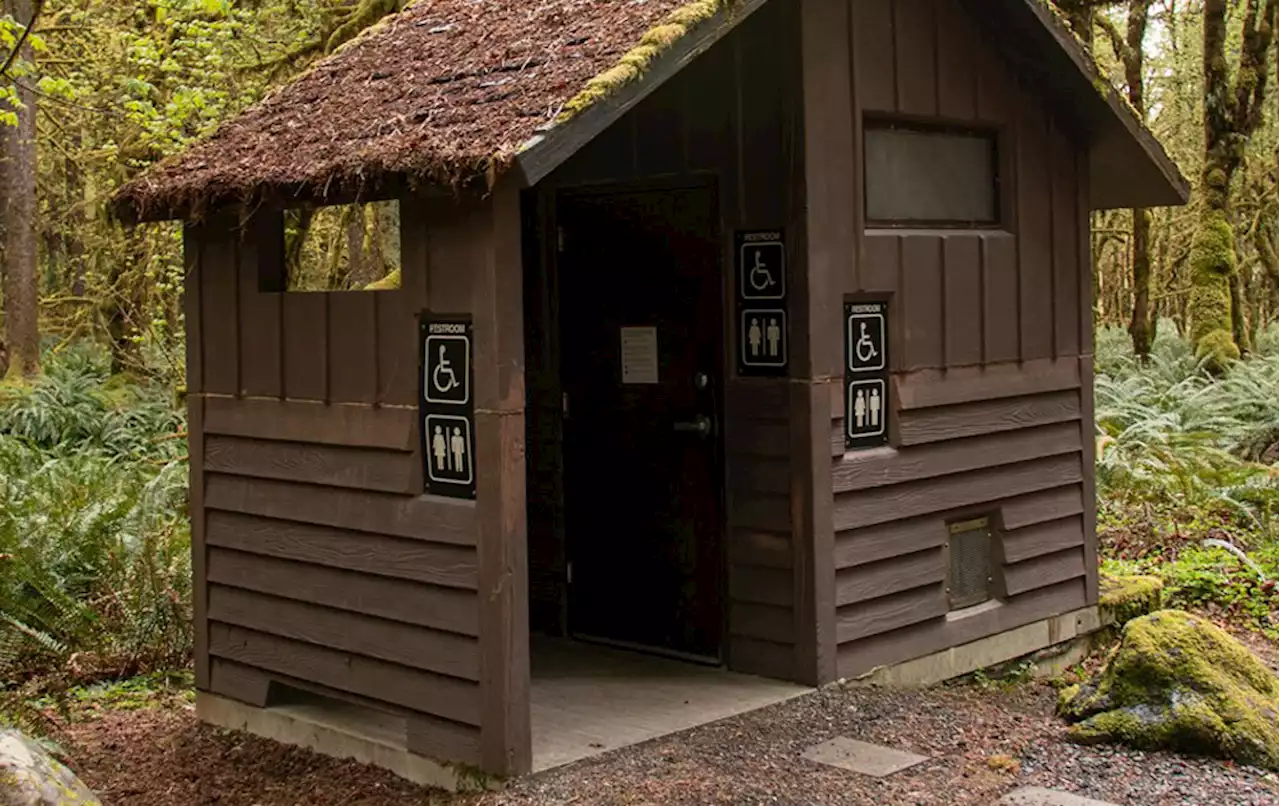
x: 1232, y: 113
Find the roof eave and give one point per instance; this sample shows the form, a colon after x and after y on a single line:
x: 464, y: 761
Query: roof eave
x: 1128, y: 166
x: 544, y: 152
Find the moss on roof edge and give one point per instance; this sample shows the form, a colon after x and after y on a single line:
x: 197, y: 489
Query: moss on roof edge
x: 635, y: 62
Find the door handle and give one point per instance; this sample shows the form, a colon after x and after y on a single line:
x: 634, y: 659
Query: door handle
x: 700, y: 425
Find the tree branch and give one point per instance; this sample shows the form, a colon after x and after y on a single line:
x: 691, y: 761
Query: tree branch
x: 22, y: 40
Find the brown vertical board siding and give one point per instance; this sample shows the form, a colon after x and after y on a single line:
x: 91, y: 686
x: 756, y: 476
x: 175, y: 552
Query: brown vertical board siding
x: 990, y: 398
x: 219, y: 296
x: 194, y: 237
x: 1066, y: 264
x: 708, y: 116
x: 957, y: 72
x: 813, y: 540
x: 921, y: 309
x: 1001, y: 320
x: 962, y: 300
x: 878, y: 273
x: 1035, y: 231
x: 829, y: 187
x: 352, y: 347
x: 306, y: 337
x: 397, y: 348
x: 199, y: 553
x: 874, y: 52
x: 765, y: 120
x: 915, y: 49
x: 497, y: 310
x: 261, y: 254
x: 659, y: 132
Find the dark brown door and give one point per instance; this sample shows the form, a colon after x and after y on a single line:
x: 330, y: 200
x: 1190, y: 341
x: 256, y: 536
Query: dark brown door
x: 641, y: 327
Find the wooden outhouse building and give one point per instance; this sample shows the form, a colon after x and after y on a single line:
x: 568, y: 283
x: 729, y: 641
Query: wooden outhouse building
x: 754, y: 332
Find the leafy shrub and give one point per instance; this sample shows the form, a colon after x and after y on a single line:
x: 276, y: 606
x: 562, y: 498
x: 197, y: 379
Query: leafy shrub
x: 94, y: 543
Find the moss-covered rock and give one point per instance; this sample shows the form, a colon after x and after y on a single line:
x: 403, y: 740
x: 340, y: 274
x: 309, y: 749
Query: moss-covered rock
x: 1179, y: 682
x: 1123, y: 598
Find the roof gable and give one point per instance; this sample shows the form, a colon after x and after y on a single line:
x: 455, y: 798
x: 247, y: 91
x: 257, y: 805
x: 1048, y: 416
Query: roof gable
x: 451, y: 91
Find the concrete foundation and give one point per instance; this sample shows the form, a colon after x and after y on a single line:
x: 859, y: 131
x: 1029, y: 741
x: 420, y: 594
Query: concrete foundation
x: 1059, y: 642
x: 334, y: 730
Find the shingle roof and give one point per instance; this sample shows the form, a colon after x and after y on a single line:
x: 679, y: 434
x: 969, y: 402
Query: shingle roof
x: 449, y: 91
x: 441, y: 90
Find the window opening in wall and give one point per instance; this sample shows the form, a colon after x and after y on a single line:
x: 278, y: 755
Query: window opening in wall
x: 930, y: 176
x: 969, y: 562
x: 345, y: 247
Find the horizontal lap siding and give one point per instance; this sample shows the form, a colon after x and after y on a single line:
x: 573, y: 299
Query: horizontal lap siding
x: 320, y: 566
x: 990, y: 389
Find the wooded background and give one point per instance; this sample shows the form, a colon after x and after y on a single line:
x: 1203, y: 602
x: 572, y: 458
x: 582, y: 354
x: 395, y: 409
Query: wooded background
x: 94, y: 91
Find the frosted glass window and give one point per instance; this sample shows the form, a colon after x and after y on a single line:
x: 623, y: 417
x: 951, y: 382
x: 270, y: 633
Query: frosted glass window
x: 921, y: 176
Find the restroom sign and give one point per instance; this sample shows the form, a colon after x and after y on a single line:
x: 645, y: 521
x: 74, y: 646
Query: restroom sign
x: 761, y: 281
x: 866, y: 375
x: 445, y: 406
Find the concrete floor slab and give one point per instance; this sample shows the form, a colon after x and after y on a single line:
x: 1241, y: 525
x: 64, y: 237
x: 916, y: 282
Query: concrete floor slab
x: 1038, y: 796
x: 862, y: 757
x: 587, y: 699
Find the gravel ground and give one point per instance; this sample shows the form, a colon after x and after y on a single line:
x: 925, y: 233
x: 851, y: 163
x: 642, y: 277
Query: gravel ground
x: 982, y: 742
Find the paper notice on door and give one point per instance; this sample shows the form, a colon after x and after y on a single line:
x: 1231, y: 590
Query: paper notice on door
x: 639, y: 355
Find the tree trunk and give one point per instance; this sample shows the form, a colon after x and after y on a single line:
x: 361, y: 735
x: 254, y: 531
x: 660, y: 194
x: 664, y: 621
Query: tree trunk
x: 1232, y: 112
x: 1140, y: 329
x: 1239, y: 322
x: 18, y: 224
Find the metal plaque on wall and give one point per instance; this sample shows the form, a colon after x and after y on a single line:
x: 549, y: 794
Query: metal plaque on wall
x: 760, y: 276
x: 866, y: 373
x: 446, y: 408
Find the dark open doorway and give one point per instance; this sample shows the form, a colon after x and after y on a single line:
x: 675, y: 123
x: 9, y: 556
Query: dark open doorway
x: 641, y: 372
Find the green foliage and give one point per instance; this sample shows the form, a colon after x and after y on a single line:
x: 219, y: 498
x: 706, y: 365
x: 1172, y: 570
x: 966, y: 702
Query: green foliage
x: 1184, y: 456
x: 94, y: 542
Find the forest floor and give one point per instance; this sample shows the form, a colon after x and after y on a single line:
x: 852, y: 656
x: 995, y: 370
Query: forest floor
x: 982, y: 740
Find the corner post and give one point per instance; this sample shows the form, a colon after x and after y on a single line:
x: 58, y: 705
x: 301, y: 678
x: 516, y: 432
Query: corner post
x: 828, y: 248
x: 497, y: 309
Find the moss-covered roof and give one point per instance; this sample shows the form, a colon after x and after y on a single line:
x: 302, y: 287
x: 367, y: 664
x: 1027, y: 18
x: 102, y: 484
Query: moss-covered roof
x: 451, y: 91
x: 443, y: 91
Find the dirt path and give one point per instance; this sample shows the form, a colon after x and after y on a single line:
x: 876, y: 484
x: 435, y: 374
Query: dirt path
x: 982, y: 742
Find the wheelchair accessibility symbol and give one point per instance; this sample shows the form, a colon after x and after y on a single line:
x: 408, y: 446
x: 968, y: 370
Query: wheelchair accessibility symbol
x: 763, y: 267
x: 447, y: 361
x: 866, y: 342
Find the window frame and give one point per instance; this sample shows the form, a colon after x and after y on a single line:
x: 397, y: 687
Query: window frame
x: 995, y: 139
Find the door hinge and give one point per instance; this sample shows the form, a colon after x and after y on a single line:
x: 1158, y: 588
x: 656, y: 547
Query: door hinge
x: 568, y: 573
x: 559, y: 239
x: 564, y: 404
